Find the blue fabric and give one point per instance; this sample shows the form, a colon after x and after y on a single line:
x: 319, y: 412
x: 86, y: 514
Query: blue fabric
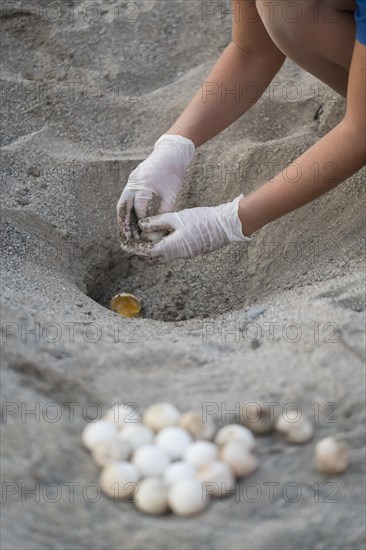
x: 360, y: 16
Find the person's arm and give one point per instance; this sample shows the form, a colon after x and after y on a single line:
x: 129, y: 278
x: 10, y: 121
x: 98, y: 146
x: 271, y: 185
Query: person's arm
x: 247, y: 65
x: 333, y: 159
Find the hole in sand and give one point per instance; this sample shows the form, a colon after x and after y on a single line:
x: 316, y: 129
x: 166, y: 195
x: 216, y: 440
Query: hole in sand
x: 208, y: 286
x: 174, y: 292
x: 203, y: 287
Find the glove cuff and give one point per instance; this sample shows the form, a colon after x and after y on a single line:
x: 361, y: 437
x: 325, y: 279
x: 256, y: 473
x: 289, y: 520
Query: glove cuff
x: 185, y: 146
x: 231, y: 223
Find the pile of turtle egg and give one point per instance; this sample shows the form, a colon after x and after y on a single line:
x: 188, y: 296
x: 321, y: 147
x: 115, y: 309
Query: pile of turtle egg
x: 178, y: 462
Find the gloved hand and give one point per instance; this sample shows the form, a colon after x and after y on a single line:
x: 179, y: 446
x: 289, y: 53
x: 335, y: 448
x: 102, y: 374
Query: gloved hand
x: 193, y: 231
x: 153, y: 186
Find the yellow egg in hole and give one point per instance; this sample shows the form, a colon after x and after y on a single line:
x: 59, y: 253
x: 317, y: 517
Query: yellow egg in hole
x: 125, y: 304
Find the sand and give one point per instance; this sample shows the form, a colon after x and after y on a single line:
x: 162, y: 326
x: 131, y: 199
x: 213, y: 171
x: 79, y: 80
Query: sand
x: 280, y: 320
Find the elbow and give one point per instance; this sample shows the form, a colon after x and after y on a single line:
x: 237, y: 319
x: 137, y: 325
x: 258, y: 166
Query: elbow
x: 354, y: 136
x: 244, y: 50
x: 267, y: 56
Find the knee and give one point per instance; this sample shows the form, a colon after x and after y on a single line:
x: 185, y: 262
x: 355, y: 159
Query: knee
x: 289, y: 21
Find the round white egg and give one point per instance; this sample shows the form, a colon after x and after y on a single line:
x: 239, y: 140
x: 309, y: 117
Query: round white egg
x: 233, y: 432
x: 185, y: 497
x: 96, y: 432
x: 331, y: 456
x: 200, y: 453
x: 151, y: 460
x: 152, y: 496
x: 119, y: 480
x: 240, y: 459
x: 217, y: 477
x: 137, y: 435
x: 152, y: 236
x: 193, y: 422
x: 161, y: 415
x: 173, y: 440
x: 296, y: 429
x: 177, y: 471
x: 258, y: 418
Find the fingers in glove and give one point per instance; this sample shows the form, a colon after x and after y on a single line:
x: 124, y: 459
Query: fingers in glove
x: 134, y: 226
x: 138, y: 248
x: 146, y: 204
x: 164, y: 223
x: 168, y: 249
x: 153, y: 205
x: 124, y: 209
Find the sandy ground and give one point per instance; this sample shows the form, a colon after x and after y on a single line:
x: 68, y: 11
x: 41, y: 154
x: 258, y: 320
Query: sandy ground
x: 86, y: 90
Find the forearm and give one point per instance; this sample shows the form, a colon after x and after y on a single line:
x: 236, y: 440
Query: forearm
x: 214, y: 108
x: 330, y: 161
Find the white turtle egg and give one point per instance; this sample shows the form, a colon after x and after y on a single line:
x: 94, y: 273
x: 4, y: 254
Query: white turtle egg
x: 173, y: 440
x: 111, y: 450
x: 217, y: 478
x: 152, y: 236
x: 185, y: 497
x: 331, y: 456
x: 200, y: 453
x: 96, y: 432
x: 193, y: 422
x: 119, y: 480
x: 161, y: 415
x: 177, y: 471
x: 136, y: 435
x: 233, y: 432
x: 151, y: 460
x: 240, y: 459
x: 296, y: 429
x: 152, y: 496
x: 258, y: 418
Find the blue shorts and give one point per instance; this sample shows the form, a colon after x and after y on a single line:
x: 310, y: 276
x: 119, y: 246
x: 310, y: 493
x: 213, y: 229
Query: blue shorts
x: 360, y: 17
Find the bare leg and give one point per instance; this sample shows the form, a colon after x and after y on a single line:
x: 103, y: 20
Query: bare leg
x: 318, y: 35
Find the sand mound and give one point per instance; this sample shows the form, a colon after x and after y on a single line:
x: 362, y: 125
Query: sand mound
x: 86, y: 92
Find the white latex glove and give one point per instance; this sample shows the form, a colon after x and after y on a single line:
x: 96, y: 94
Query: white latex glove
x: 193, y: 231
x: 153, y: 186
